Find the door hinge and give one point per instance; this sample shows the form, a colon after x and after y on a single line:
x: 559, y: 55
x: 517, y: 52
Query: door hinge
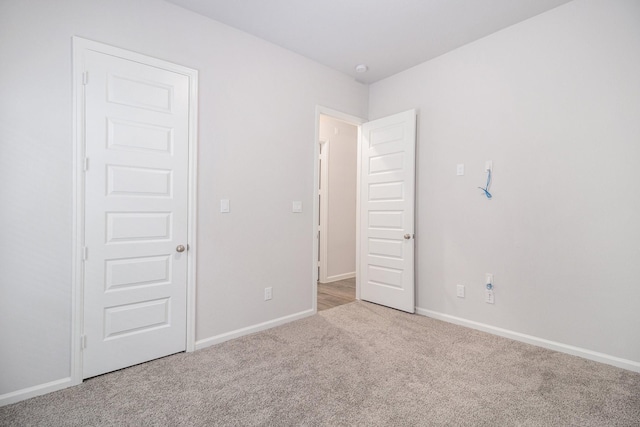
x: 86, y: 164
x: 85, y: 78
x: 85, y: 253
x: 83, y: 341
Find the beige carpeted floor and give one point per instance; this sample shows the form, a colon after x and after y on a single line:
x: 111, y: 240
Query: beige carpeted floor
x: 357, y: 364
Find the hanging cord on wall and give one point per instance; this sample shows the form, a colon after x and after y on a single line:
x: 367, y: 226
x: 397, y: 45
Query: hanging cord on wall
x: 486, y: 189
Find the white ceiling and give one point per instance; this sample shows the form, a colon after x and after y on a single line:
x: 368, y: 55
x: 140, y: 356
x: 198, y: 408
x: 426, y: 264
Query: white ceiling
x: 387, y: 35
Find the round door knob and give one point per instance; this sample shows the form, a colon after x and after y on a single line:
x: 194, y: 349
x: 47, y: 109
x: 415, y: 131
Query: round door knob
x: 407, y: 236
x: 180, y: 248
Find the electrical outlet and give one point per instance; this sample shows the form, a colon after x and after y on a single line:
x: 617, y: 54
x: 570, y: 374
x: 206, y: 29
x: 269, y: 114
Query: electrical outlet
x: 460, y: 169
x: 268, y: 293
x: 460, y: 291
x: 488, y: 166
x: 488, y: 296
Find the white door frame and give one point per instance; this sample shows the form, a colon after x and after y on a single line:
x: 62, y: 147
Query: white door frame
x: 356, y: 121
x: 323, y: 185
x: 81, y: 45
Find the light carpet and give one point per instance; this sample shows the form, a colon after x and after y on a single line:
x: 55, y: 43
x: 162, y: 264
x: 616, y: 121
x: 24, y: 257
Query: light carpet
x: 354, y: 365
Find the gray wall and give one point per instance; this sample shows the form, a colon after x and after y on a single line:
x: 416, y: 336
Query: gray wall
x: 555, y: 103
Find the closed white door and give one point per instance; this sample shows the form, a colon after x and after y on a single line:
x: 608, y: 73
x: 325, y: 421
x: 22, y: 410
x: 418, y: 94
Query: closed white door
x: 136, y: 206
x: 387, y: 201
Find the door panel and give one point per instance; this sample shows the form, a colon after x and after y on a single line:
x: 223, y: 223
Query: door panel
x: 387, y: 194
x: 136, y: 189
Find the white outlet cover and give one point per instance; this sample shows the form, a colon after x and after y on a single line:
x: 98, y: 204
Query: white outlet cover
x: 296, y: 207
x: 460, y: 169
x: 224, y: 206
x: 460, y: 291
x: 489, y: 298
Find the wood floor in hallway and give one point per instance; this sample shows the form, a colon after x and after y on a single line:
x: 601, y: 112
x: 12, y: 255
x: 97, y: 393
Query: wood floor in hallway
x: 336, y: 293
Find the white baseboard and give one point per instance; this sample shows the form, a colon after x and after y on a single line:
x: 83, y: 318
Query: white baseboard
x: 29, y: 392
x: 200, y: 344
x: 340, y: 277
x: 529, y: 339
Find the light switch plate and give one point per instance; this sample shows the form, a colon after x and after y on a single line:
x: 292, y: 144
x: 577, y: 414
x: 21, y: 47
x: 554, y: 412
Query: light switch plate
x: 224, y: 206
x: 296, y: 207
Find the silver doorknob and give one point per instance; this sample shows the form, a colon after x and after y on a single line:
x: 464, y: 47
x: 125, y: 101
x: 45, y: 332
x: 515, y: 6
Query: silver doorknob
x: 407, y: 236
x: 180, y: 248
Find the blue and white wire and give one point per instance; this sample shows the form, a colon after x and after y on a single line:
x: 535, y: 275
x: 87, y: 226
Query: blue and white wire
x: 486, y: 189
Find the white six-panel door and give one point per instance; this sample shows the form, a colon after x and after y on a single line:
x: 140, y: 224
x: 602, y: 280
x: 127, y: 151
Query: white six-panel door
x: 136, y: 210
x: 387, y: 198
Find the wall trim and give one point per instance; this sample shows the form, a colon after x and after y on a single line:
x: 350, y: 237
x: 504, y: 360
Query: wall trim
x: 337, y: 277
x: 217, y: 339
x: 37, y: 390
x: 530, y: 339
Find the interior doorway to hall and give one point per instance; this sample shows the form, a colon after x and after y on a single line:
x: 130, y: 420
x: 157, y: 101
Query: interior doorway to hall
x: 337, y: 201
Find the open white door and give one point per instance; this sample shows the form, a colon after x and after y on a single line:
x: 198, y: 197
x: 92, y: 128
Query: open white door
x: 136, y: 120
x: 387, y: 203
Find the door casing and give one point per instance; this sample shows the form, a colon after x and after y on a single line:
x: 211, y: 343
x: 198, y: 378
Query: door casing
x: 81, y: 45
x: 324, y: 209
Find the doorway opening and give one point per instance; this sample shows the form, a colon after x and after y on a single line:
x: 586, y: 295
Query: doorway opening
x: 337, y: 208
